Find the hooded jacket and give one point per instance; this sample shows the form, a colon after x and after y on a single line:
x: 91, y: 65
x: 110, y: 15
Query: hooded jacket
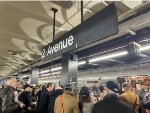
x: 111, y: 104
x: 25, y: 98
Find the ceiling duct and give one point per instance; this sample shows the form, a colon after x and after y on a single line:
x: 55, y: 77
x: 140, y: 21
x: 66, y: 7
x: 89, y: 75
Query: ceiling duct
x: 64, y: 4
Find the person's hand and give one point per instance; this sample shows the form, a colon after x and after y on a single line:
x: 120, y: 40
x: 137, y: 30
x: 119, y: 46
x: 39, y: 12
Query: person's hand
x: 29, y: 108
x: 21, y: 105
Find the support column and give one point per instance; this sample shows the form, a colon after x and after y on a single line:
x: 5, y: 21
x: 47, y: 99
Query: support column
x: 69, y: 69
x: 34, y: 76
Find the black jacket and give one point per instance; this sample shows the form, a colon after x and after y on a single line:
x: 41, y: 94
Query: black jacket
x: 53, y: 95
x: 34, y: 98
x: 7, y: 102
x: 25, y: 98
x: 44, y: 101
x: 111, y: 104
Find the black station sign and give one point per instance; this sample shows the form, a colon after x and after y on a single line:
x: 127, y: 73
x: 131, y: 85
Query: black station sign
x: 97, y: 27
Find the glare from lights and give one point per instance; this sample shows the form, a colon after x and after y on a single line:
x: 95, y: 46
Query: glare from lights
x: 56, y: 68
x: 44, y: 71
x: 59, y: 68
x: 82, y: 62
x: 109, y: 56
x: 24, y: 76
x: 145, y: 48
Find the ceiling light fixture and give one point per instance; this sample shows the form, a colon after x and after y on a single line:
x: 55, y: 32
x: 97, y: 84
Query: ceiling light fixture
x: 44, y: 71
x: 131, y: 32
x: 60, y: 67
x: 81, y: 63
x: 24, y: 76
x: 56, y: 68
x: 108, y: 56
x: 144, y: 48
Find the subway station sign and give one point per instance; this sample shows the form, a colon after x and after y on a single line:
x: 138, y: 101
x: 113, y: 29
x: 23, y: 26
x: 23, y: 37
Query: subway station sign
x: 97, y: 27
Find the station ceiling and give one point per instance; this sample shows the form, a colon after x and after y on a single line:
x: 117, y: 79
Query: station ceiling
x: 27, y: 26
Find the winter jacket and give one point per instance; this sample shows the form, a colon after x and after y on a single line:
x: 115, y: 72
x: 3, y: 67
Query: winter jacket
x: 53, y: 95
x: 44, y: 101
x: 69, y: 103
x: 34, y: 99
x: 7, y: 100
x: 131, y: 99
x: 111, y: 104
x: 26, y: 99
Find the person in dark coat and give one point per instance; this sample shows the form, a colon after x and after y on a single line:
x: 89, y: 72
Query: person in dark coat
x: 25, y: 98
x: 34, y: 99
x: 111, y: 102
x: 42, y: 88
x: 44, y: 99
x: 7, y: 97
x: 53, y: 95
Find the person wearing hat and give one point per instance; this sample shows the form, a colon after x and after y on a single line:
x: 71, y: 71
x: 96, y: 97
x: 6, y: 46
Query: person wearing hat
x: 25, y: 98
x: 129, y: 97
x: 111, y: 102
x: 86, y: 102
x: 67, y: 102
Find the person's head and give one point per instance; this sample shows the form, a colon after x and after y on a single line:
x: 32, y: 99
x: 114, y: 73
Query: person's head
x: 143, y: 86
x: 69, y: 87
x: 12, y: 82
x: 43, y: 87
x: 35, y: 91
x: 110, y: 87
x: 127, y: 86
x: 84, y: 95
x: 50, y: 86
x: 103, y: 91
x: 27, y: 87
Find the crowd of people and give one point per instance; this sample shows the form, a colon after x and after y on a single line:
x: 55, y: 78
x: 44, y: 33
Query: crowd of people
x: 23, y: 98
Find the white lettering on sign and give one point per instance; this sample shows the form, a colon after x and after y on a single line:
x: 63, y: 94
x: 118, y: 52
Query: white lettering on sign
x: 58, y: 46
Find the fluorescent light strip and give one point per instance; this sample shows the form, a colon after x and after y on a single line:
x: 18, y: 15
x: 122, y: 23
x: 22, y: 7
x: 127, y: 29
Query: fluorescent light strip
x: 145, y: 48
x: 59, y: 68
x: 81, y: 62
x: 26, y: 76
x: 109, y: 56
x: 44, y: 71
x: 56, y: 68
